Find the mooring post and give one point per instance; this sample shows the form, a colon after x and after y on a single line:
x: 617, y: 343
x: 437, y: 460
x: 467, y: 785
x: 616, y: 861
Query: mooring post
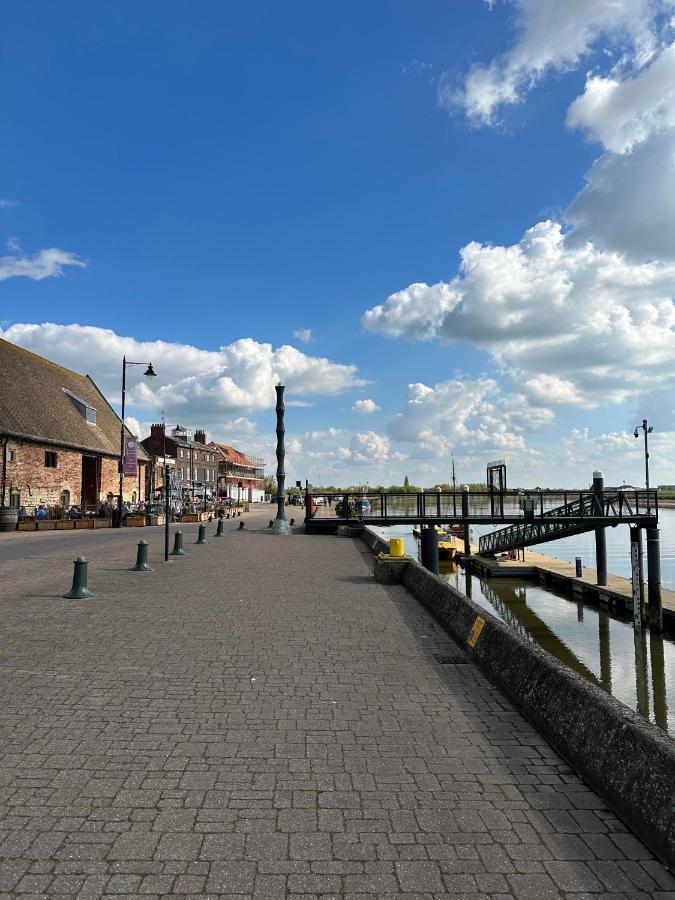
x: 654, y: 607
x: 430, y: 549
x: 636, y: 577
x: 465, y: 517
x: 280, y: 525
x: 600, y: 536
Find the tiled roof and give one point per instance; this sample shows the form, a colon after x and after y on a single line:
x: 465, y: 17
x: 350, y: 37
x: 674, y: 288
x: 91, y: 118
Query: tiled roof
x: 229, y: 454
x: 37, y: 402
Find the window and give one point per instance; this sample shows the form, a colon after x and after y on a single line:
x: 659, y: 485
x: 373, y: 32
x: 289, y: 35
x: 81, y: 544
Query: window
x: 11, y: 455
x: 50, y: 459
x: 181, y: 454
x: 88, y: 412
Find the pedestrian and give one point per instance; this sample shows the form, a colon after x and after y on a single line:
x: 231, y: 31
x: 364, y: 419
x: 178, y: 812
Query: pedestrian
x: 41, y: 512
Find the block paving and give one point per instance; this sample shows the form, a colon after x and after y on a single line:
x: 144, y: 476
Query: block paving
x: 260, y: 719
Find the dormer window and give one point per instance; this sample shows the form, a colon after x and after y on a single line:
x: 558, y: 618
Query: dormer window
x: 87, y: 412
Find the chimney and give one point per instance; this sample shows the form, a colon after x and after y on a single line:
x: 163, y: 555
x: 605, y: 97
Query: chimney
x: 200, y: 436
x: 157, y: 431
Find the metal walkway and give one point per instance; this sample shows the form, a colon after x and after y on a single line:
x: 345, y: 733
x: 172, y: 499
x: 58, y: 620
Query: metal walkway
x: 582, y: 514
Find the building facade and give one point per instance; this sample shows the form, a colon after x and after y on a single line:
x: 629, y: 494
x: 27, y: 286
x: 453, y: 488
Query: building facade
x: 240, y: 477
x: 59, y: 437
x: 194, y: 463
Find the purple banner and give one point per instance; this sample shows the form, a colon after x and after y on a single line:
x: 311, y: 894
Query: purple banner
x: 130, y: 457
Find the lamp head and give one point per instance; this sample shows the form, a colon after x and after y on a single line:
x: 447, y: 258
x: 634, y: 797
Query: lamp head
x: 150, y: 372
x: 650, y: 429
x: 635, y: 433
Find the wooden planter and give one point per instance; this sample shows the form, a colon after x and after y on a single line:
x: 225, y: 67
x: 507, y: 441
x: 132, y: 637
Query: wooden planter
x: 27, y: 526
x: 83, y: 523
x: 64, y: 524
x: 46, y: 525
x: 102, y: 523
x: 156, y: 520
x: 135, y: 521
x: 190, y: 517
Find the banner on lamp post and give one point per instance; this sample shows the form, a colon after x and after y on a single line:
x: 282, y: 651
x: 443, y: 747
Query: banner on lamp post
x: 130, y: 457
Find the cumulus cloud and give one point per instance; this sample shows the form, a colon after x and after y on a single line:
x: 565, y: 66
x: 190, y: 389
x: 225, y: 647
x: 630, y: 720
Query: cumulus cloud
x: 237, y: 378
x: 547, y: 307
x: 303, y: 334
x: 458, y: 415
x: 554, y: 36
x: 238, y: 427
x: 43, y: 264
x: 365, y: 406
x: 624, y: 113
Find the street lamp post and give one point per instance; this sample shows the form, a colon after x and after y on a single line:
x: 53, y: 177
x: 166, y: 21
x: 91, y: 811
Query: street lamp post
x: 647, y: 430
x: 149, y: 373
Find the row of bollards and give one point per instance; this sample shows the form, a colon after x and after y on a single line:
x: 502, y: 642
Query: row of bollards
x: 80, y: 590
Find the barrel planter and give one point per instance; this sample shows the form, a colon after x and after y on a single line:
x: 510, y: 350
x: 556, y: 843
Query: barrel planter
x: 9, y: 516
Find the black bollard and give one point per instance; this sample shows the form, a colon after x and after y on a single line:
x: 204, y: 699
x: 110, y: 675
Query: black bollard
x: 178, y: 545
x: 79, y: 590
x: 430, y: 549
x: 241, y: 525
x: 271, y: 523
x: 202, y: 535
x: 141, y: 559
x: 220, y: 530
x: 654, y: 605
x: 292, y: 521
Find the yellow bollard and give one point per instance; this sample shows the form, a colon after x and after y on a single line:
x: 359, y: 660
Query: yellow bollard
x: 396, y: 547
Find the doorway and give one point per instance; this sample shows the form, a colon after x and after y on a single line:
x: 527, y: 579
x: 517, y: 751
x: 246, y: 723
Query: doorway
x: 91, y: 480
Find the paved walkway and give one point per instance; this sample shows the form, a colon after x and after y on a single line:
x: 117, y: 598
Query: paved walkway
x: 259, y: 719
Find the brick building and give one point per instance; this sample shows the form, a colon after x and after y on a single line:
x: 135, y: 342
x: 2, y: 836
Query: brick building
x: 240, y: 477
x: 59, y: 436
x: 195, y: 464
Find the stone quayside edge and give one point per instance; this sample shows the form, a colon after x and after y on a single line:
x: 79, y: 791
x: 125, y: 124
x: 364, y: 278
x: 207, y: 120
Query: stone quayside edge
x: 627, y: 760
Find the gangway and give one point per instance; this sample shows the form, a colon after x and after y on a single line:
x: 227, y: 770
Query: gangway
x: 582, y: 514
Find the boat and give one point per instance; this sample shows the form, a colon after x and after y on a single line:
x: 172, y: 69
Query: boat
x: 448, y: 539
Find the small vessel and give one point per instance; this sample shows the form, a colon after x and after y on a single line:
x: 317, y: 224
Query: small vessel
x: 448, y: 540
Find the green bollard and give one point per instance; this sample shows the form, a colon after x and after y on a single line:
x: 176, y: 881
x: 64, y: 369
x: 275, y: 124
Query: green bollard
x: 220, y: 531
x: 79, y: 590
x: 241, y: 525
x: 141, y: 559
x: 178, y: 545
x: 202, y: 535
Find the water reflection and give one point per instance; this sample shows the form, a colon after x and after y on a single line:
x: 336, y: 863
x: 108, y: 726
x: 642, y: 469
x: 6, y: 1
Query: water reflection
x: 638, y: 669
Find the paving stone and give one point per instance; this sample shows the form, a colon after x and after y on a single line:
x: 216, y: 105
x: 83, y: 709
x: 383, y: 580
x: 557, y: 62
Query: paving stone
x: 222, y: 729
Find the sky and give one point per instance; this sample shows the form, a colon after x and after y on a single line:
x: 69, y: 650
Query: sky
x: 447, y: 227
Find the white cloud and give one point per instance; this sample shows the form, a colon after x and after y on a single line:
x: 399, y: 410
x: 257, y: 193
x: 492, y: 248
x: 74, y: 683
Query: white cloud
x: 466, y: 415
x: 203, y: 384
x: 604, y: 327
x: 43, y: 264
x: 239, y: 426
x: 135, y: 427
x: 555, y: 36
x: 303, y: 334
x: 622, y: 114
x: 7, y: 204
x: 367, y: 447
x: 365, y: 406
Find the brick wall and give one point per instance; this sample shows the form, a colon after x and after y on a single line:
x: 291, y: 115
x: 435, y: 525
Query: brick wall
x: 39, y: 484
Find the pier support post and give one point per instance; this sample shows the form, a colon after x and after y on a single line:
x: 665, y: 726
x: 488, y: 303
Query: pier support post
x: 429, y: 543
x: 600, y: 536
x: 654, y: 607
x: 636, y: 576
x: 465, y: 517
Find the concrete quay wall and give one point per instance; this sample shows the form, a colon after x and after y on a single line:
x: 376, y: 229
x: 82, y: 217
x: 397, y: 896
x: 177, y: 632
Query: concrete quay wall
x: 627, y: 760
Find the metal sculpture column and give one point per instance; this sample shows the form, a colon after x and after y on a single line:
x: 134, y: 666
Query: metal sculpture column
x: 280, y: 525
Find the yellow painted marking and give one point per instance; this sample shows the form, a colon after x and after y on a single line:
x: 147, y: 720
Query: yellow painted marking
x: 475, y: 631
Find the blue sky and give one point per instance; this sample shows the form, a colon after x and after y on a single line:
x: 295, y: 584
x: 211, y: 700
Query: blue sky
x: 240, y: 172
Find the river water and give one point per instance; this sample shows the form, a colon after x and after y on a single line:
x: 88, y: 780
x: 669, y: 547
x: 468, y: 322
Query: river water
x: 638, y: 670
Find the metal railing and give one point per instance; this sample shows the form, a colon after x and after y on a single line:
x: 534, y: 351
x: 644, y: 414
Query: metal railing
x: 509, y: 507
